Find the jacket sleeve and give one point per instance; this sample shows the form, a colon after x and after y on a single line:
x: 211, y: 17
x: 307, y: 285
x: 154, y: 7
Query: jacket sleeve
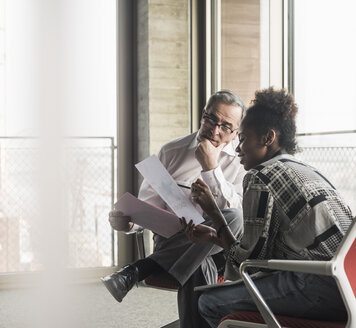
x: 258, y: 205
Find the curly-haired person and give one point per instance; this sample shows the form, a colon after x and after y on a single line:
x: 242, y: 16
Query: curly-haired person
x: 290, y: 210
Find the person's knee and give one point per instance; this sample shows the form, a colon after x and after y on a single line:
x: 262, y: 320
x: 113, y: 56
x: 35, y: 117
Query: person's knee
x: 234, y: 219
x: 204, y: 305
x: 231, y: 214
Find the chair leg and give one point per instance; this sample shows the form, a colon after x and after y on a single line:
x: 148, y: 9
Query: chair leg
x: 140, y: 242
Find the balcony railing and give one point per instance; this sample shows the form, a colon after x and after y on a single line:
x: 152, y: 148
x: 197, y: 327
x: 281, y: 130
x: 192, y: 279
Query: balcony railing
x: 90, y: 171
x: 336, y: 161
x: 90, y: 177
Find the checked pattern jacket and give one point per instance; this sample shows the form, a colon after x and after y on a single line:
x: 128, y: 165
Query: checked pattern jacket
x: 291, y: 211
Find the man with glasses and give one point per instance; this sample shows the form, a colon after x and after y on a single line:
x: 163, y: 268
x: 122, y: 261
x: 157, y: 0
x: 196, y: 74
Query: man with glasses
x: 208, y: 154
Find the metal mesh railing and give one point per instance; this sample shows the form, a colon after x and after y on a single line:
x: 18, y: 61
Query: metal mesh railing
x: 338, y: 165
x: 90, y: 169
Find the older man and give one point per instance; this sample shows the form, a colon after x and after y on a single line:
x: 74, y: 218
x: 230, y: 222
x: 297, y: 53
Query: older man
x: 208, y: 154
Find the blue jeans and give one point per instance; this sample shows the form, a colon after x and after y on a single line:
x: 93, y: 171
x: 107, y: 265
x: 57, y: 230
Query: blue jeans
x: 286, y: 293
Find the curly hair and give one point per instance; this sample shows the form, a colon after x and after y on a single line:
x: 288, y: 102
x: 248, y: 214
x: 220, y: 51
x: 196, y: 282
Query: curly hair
x: 274, y: 109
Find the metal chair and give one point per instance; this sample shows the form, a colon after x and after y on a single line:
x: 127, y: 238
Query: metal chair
x: 342, y: 267
x: 154, y: 281
x: 158, y: 281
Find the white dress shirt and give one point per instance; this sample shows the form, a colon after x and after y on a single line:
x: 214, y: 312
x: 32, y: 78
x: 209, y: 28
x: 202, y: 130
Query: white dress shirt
x: 225, y: 181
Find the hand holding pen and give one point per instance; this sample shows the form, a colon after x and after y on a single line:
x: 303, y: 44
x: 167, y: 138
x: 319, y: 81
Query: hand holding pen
x: 183, y: 186
x: 186, y: 187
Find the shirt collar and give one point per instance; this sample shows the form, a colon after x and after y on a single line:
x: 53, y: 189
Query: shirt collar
x: 229, y: 149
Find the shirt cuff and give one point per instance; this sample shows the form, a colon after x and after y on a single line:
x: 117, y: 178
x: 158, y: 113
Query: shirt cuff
x: 134, y: 229
x: 214, y: 179
x: 209, y: 177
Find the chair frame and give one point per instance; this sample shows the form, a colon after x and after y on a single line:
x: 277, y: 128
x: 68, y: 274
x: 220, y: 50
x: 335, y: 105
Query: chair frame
x: 140, y: 242
x: 334, y: 267
x: 142, y: 254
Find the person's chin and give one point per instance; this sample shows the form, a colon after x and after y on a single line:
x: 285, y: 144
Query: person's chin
x: 215, y: 143
x: 212, y: 141
x: 244, y: 164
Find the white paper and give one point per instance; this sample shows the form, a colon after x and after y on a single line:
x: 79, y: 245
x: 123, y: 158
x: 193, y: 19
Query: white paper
x: 147, y: 216
x: 162, y: 182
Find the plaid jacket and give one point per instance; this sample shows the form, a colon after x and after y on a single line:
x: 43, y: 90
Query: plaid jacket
x: 291, y: 211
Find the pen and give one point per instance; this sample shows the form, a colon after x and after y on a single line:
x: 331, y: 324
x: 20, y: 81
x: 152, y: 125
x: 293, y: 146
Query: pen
x: 183, y: 186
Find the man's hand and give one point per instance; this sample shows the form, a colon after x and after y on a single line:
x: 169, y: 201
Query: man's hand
x: 119, y: 221
x: 208, y: 155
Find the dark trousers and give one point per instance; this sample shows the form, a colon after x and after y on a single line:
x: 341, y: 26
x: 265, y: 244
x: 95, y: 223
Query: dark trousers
x: 188, y: 302
x: 206, y: 273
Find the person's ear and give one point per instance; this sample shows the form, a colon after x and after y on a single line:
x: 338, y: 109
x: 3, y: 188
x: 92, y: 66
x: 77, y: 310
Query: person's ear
x: 202, y: 115
x: 270, y: 137
x: 235, y: 136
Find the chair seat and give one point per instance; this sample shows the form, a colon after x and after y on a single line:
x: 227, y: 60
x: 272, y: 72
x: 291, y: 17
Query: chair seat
x: 289, y: 322
x: 161, y: 281
x: 221, y: 279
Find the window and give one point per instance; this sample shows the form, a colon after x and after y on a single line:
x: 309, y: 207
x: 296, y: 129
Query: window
x: 324, y: 88
x: 244, y: 46
x: 325, y: 66
x: 57, y: 61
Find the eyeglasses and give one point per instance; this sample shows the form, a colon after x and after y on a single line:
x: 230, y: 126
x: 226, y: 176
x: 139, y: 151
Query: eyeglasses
x: 207, y: 120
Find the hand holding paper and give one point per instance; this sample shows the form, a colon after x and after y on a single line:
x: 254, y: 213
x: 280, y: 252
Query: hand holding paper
x: 150, y: 217
x: 158, y: 177
x: 119, y: 221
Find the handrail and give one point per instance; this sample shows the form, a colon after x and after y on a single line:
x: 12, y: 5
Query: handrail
x: 306, y: 134
x: 112, y: 148
x: 67, y: 137
x: 262, y: 306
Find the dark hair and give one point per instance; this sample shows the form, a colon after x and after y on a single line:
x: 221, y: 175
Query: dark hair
x: 274, y: 109
x: 225, y: 97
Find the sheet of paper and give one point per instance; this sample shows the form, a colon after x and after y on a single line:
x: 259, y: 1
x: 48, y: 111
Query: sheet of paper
x: 162, y: 182
x: 150, y: 217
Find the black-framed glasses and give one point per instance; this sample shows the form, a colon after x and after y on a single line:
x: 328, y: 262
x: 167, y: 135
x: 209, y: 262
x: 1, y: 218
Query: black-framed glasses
x: 212, y: 122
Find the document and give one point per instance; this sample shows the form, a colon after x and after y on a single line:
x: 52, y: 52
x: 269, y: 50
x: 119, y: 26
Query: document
x: 147, y: 216
x: 162, y: 182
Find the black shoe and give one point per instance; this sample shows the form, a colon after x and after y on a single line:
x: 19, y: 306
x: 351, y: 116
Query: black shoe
x: 120, y: 283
